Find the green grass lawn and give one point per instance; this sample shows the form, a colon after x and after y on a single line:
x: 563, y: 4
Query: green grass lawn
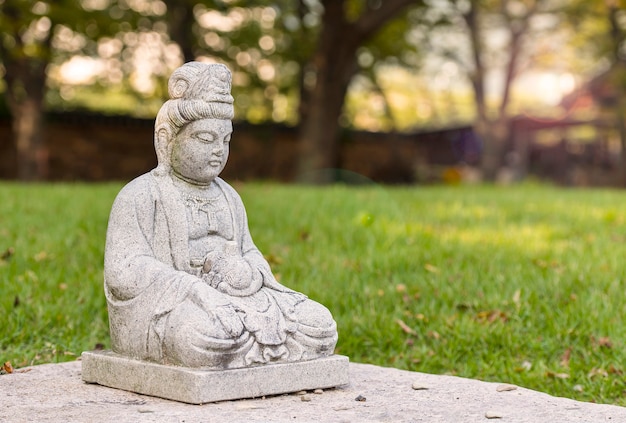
x: 521, y: 285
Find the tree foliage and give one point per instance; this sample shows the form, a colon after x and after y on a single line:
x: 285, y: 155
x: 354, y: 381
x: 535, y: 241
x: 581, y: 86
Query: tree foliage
x: 284, y: 51
x: 32, y: 35
x: 293, y: 61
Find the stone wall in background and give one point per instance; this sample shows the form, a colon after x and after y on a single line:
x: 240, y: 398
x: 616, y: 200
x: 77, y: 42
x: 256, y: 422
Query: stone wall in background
x: 89, y: 147
x: 84, y: 147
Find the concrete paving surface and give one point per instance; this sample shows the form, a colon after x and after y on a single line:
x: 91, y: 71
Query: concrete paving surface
x: 56, y: 393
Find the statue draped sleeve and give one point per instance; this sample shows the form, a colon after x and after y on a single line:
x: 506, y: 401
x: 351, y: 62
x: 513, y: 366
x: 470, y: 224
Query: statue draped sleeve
x: 142, y: 283
x: 147, y: 271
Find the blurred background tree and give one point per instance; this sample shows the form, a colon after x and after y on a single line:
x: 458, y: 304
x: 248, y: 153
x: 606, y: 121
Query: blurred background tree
x: 483, y: 37
x: 393, y: 65
x: 286, y: 51
x: 604, y: 22
x: 33, y: 35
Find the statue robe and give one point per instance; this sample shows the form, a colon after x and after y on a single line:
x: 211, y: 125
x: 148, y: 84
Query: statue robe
x: 148, y: 277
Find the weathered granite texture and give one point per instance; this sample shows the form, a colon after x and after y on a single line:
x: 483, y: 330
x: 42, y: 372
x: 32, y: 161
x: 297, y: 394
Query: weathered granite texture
x: 199, y: 386
x: 184, y: 282
x: 55, y: 393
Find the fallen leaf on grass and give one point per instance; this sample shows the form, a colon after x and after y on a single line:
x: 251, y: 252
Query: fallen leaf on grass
x: 517, y: 296
x: 405, y: 327
x: 614, y: 370
x: 7, y: 253
x: 7, y: 367
x: 273, y: 259
x: 464, y: 306
x: 434, y: 334
x: 430, y: 268
x: 598, y: 372
x: 544, y: 264
x: 566, y: 356
x: 40, y: 256
x: 526, y: 365
x: 555, y: 375
x: 490, y: 316
x: 605, y: 341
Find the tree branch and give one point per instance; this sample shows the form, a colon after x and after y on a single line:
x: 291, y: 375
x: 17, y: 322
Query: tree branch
x: 373, y: 19
x: 517, y: 32
x: 477, y: 77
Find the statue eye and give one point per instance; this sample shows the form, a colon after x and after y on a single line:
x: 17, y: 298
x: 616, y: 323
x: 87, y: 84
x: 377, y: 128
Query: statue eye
x: 204, y: 137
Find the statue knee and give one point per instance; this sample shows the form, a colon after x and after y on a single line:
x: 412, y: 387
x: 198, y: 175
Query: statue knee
x: 190, y: 335
x: 311, y: 313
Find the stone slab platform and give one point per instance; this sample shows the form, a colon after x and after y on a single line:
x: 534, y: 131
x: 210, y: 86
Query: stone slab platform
x: 197, y: 386
x: 55, y: 393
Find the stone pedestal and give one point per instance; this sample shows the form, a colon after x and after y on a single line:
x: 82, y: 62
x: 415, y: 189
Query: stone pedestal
x: 199, y: 386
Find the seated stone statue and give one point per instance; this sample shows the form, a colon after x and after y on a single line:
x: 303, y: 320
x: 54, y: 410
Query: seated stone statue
x: 184, y: 282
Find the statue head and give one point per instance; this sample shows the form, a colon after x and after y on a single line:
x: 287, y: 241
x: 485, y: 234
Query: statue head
x: 197, y: 91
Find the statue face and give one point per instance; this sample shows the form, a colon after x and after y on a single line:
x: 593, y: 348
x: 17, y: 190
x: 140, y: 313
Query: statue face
x: 200, y: 149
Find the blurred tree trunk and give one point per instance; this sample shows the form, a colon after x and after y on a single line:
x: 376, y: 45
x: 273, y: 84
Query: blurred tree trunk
x: 26, y: 81
x: 25, y: 52
x: 334, y: 64
x: 31, y: 152
x: 180, y: 21
x: 618, y: 38
x: 494, y: 129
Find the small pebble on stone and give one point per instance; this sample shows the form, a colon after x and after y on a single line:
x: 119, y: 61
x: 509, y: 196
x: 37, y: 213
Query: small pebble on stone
x: 419, y: 386
x: 506, y: 387
x: 301, y: 393
x: 305, y: 398
x: 493, y: 415
x: 360, y: 398
x: 245, y: 405
x: 318, y: 391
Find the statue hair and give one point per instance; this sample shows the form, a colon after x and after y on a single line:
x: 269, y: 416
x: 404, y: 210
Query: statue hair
x: 197, y: 91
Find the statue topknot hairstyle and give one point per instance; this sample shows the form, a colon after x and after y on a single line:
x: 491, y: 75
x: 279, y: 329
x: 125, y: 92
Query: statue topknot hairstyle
x: 197, y: 91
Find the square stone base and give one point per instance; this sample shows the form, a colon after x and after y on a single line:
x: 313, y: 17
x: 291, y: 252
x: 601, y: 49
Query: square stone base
x: 199, y: 386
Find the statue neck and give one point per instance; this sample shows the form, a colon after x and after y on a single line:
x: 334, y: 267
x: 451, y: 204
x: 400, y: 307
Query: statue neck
x: 193, y: 188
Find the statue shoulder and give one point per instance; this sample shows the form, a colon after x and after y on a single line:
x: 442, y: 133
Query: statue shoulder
x: 228, y: 190
x: 137, y: 191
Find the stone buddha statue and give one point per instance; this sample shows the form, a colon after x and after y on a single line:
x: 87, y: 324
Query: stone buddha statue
x: 184, y: 282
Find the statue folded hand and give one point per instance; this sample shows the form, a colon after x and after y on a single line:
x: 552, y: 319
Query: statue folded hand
x: 230, y: 274
x: 230, y: 320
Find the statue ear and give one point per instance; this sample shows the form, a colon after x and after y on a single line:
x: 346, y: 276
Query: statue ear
x: 163, y: 135
x: 162, y: 141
